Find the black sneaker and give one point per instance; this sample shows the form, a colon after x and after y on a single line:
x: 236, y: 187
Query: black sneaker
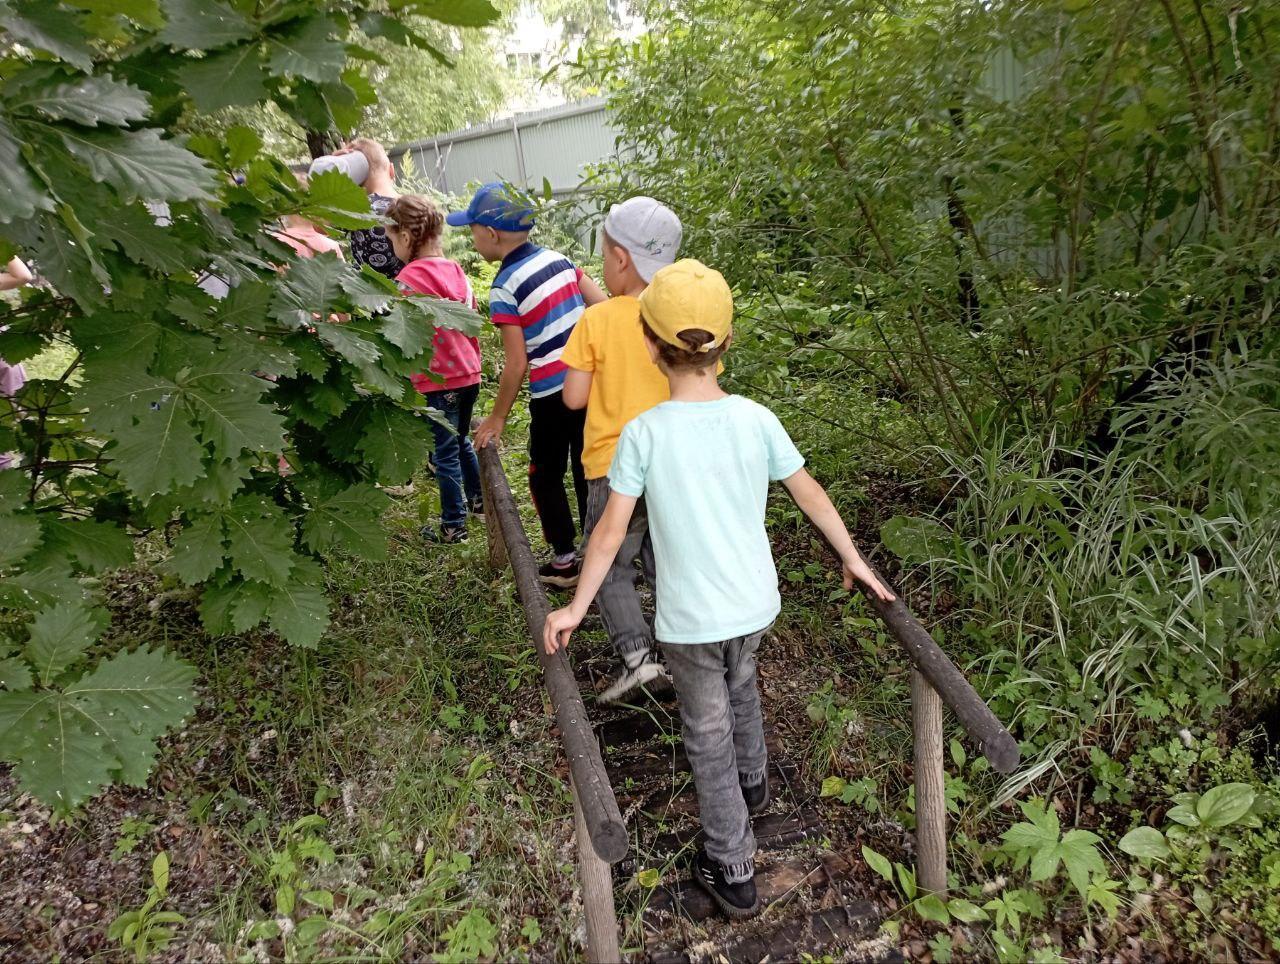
x: 445, y: 535
x: 565, y: 576
x: 476, y: 509
x: 756, y: 797
x: 736, y: 900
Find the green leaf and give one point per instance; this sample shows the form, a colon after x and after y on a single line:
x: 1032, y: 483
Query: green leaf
x: 234, y: 607
x: 70, y: 766
x: 1185, y: 814
x: 395, y: 443
x: 59, y: 637
x: 46, y: 26
x: 380, y: 25
x: 234, y: 421
x: 15, y: 674
x: 649, y: 878
x: 19, y: 534
x: 21, y: 195
x: 129, y: 701
x: 1223, y: 805
x: 1079, y: 850
x: 349, y: 520
x: 298, y: 610
x: 406, y: 329
x: 200, y: 549
x: 306, y: 49
x: 160, y: 453
x: 310, y: 291
x: 878, y: 862
x: 260, y: 540
x: 335, y: 198
x: 243, y: 145
x: 139, y: 164
x: 446, y: 313
x: 456, y: 13
x: 96, y: 546
x: 202, y: 25
x: 135, y: 231
x: 832, y: 787
x: 1145, y: 843
x: 234, y: 77
x: 160, y: 872
x: 85, y: 100
x: 965, y: 911
x: 931, y: 907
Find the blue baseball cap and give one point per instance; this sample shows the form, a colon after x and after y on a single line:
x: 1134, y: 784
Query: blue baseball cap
x: 494, y: 206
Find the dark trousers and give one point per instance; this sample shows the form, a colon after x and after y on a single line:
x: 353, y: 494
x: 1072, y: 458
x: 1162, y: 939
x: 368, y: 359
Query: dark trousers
x: 457, y: 468
x: 555, y: 442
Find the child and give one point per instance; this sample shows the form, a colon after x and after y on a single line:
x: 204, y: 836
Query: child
x: 415, y: 230
x: 611, y: 374
x: 703, y: 461
x: 536, y: 299
x: 371, y: 246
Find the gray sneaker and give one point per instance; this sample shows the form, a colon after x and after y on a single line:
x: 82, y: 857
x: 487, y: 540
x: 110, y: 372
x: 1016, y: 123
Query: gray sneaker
x: 634, y: 678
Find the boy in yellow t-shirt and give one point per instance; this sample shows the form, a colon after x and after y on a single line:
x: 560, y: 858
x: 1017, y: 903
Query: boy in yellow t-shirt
x: 610, y: 372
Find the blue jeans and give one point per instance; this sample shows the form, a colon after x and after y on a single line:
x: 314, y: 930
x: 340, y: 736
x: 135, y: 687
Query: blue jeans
x: 457, y: 468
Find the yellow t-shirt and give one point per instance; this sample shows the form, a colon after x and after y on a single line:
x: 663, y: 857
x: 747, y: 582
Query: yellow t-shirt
x: 609, y: 342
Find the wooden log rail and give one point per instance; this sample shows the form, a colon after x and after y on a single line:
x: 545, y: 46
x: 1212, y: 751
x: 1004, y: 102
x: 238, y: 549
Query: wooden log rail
x: 601, y: 834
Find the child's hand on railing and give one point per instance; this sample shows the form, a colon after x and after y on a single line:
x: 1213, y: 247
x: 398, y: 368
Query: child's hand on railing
x: 558, y: 628
x: 856, y: 570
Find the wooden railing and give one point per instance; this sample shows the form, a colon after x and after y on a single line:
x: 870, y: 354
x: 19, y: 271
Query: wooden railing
x: 602, y: 836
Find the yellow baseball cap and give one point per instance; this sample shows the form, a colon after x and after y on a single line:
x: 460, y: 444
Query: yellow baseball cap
x: 688, y: 294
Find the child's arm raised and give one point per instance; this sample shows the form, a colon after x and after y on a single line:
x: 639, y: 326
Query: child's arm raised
x: 606, y: 539
x: 814, y: 502
x: 513, y: 369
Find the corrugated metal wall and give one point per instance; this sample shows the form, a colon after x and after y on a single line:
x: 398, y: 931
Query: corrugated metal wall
x: 555, y: 145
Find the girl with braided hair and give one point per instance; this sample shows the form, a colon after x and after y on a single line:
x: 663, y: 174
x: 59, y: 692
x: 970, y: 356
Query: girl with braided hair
x: 453, y: 380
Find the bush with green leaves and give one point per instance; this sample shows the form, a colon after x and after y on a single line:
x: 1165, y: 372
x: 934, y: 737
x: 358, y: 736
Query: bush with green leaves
x: 223, y: 397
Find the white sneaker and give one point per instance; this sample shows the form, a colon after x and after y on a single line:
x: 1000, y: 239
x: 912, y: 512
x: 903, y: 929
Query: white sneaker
x: 630, y: 680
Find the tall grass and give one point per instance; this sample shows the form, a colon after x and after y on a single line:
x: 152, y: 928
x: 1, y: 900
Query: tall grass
x: 1107, y: 605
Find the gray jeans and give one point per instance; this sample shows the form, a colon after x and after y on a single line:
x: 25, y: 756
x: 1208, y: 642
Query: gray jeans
x: 724, y: 739
x: 618, y: 601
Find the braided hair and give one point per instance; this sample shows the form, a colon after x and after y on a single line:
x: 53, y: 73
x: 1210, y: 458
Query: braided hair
x: 418, y: 217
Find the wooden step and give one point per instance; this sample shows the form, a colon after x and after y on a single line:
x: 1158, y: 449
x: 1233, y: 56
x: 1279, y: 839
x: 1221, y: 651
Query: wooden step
x: 774, y: 833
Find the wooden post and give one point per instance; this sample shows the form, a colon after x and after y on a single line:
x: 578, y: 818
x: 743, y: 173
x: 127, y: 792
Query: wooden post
x: 931, y: 797
x: 597, y: 893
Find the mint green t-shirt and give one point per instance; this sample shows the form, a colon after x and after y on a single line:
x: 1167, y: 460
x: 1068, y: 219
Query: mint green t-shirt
x: 704, y: 469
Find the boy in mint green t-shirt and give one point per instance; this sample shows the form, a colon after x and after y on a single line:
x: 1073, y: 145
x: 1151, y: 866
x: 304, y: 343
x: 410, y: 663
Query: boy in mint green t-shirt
x: 703, y: 463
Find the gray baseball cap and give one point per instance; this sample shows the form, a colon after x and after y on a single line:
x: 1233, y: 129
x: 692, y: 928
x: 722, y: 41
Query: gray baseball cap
x: 648, y: 230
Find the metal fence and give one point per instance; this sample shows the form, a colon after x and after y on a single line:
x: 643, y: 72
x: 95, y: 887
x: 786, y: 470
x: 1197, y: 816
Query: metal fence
x: 555, y: 145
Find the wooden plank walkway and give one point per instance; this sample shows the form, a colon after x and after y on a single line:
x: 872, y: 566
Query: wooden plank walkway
x: 810, y: 907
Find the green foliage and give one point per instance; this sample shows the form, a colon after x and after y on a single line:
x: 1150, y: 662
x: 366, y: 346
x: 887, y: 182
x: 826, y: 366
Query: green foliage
x: 146, y: 930
x: 240, y: 400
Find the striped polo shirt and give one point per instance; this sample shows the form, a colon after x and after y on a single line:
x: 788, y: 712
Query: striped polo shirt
x: 537, y: 289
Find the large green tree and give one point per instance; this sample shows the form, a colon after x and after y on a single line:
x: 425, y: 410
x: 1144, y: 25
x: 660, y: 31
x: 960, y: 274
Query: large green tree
x: 234, y: 405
